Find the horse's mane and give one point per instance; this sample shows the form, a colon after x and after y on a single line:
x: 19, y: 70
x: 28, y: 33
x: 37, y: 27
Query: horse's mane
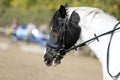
x: 90, y: 14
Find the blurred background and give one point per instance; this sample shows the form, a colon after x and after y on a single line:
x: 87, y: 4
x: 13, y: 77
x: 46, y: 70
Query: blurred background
x: 24, y: 31
x: 41, y: 11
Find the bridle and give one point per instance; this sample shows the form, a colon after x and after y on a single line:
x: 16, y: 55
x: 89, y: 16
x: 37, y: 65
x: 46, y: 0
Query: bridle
x: 60, y: 46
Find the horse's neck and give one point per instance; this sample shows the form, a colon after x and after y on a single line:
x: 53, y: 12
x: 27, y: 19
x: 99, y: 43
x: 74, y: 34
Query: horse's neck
x: 95, y: 21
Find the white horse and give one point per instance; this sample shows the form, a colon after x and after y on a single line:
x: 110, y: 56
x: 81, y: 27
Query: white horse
x: 95, y: 21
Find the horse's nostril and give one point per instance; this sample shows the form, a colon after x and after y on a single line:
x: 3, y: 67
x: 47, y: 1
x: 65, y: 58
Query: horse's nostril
x: 45, y: 61
x: 48, y: 59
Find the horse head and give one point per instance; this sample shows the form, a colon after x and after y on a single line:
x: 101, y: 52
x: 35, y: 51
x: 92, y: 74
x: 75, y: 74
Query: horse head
x: 64, y: 34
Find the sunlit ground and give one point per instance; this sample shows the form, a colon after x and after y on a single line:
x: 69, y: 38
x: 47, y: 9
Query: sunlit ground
x: 24, y: 64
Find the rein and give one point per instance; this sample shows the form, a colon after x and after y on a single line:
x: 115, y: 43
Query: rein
x: 108, y: 50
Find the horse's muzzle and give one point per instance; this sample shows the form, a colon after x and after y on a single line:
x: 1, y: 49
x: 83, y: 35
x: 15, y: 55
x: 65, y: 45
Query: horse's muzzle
x: 48, y: 59
x: 52, y: 60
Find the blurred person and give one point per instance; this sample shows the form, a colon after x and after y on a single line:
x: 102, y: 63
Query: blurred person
x: 44, y: 34
x: 14, y: 27
x: 30, y: 26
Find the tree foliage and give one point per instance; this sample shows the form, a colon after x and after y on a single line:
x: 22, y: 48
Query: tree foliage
x: 41, y: 10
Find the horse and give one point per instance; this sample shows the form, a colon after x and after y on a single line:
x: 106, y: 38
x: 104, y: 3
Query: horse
x: 75, y: 27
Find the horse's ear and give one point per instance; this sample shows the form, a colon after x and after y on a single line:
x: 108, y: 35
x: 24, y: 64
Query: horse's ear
x: 66, y: 5
x: 62, y: 11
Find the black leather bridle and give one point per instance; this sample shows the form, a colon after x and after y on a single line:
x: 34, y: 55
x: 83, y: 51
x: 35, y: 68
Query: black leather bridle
x: 60, y: 46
